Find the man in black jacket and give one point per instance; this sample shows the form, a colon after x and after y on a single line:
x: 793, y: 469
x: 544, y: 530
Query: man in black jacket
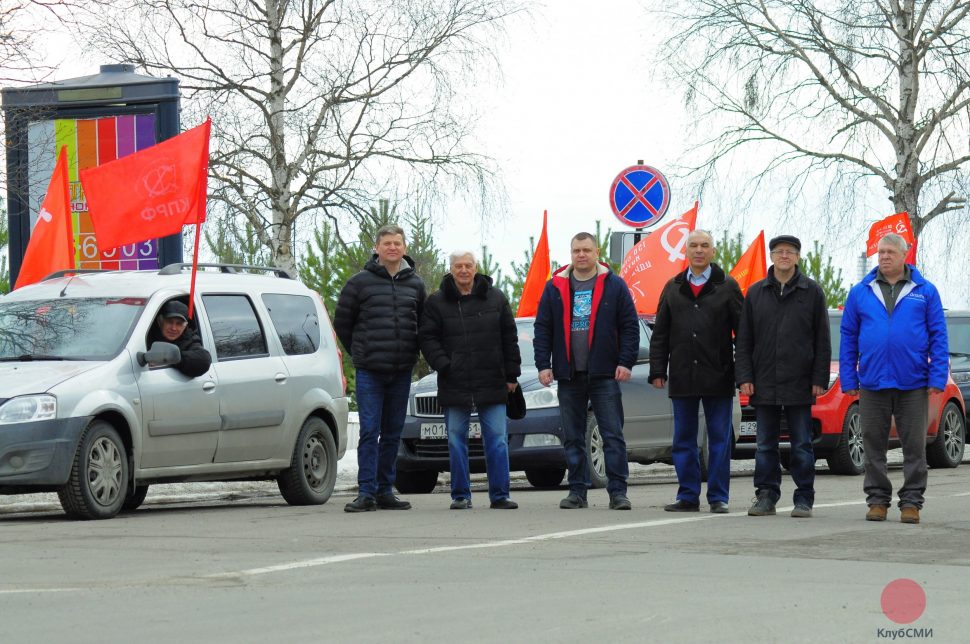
x: 783, y: 362
x: 697, y: 315
x: 376, y: 320
x: 468, y: 336
x: 586, y: 337
x: 172, y: 325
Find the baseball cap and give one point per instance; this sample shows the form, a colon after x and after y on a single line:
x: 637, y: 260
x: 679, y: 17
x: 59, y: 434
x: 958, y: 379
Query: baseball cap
x: 175, y: 309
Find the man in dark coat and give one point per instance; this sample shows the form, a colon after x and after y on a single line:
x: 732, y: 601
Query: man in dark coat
x: 697, y: 316
x: 376, y: 320
x: 784, y: 355
x: 468, y: 335
x: 586, y: 337
x: 172, y: 326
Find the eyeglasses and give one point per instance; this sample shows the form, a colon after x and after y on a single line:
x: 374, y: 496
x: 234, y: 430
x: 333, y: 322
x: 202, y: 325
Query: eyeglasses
x: 785, y: 253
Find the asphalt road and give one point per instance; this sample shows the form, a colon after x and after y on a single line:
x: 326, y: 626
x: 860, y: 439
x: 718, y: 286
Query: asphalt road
x: 257, y: 570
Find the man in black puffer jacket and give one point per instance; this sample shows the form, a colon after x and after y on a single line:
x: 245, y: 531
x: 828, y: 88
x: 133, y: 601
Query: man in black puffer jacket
x: 376, y: 320
x: 172, y: 326
x: 468, y: 336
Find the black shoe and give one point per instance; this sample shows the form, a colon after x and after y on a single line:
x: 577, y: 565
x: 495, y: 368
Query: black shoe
x: 763, y: 506
x: 573, y: 502
x: 620, y: 502
x: 719, y: 507
x: 361, y: 504
x: 391, y: 502
x: 682, y: 506
x: 504, y: 504
x: 461, y: 504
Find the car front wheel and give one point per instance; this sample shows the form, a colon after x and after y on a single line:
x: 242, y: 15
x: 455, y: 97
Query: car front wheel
x: 135, y: 498
x: 416, y: 481
x: 947, y: 449
x: 849, y: 456
x: 545, y: 478
x: 595, y: 456
x: 98, y: 481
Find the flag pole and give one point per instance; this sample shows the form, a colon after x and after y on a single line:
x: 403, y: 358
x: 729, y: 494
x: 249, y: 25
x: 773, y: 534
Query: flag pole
x: 195, y: 266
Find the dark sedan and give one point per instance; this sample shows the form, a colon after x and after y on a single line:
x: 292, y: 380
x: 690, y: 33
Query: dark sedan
x: 535, y: 442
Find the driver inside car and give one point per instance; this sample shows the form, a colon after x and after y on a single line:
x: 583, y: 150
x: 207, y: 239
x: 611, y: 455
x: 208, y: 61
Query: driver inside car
x: 172, y: 325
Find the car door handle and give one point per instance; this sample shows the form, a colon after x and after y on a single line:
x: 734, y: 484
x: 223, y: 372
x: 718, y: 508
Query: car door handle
x: 281, y: 378
x: 208, y: 386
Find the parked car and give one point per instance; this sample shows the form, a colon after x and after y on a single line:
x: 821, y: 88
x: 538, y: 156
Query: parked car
x: 535, y: 442
x: 958, y: 334
x: 89, y: 411
x: 837, y: 430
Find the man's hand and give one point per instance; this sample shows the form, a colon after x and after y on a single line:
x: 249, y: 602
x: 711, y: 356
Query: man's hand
x: 817, y: 391
x: 512, y: 386
x: 934, y: 390
x: 622, y: 374
x: 545, y: 377
x: 659, y: 383
x: 747, y: 388
x: 851, y: 392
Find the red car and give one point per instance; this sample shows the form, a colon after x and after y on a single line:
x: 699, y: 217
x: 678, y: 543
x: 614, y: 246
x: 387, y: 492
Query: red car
x: 837, y: 431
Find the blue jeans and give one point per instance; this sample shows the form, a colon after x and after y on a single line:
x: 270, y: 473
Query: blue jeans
x: 767, y: 469
x: 382, y: 403
x: 686, y: 455
x: 496, y: 441
x: 575, y: 397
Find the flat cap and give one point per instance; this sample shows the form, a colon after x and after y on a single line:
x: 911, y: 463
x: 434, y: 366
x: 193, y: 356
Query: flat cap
x: 175, y: 309
x: 791, y: 240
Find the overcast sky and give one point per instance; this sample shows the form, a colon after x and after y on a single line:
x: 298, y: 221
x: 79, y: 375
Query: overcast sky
x: 578, y: 102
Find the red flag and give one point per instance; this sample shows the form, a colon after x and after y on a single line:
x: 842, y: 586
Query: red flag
x: 653, y: 261
x: 151, y: 193
x: 51, y: 245
x: 752, y: 266
x: 911, y: 255
x: 536, y: 278
x: 899, y: 224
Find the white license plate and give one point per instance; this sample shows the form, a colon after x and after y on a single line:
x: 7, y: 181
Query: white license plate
x: 749, y: 428
x: 438, y: 431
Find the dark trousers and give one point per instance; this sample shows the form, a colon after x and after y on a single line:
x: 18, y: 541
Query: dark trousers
x: 911, y: 411
x: 575, y: 397
x: 382, y: 401
x: 686, y: 456
x: 767, y: 466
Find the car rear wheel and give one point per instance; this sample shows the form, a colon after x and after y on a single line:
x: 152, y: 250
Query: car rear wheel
x: 135, y: 498
x: 416, y: 481
x: 947, y: 449
x: 849, y: 455
x: 595, y: 456
x: 99, y: 476
x: 312, y: 474
x: 545, y: 478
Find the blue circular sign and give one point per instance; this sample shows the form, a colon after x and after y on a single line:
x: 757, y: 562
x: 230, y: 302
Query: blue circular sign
x: 639, y: 196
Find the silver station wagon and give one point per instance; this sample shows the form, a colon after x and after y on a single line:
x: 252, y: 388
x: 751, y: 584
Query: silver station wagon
x: 90, y: 411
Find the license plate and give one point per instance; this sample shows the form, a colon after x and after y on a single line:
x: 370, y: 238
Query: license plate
x: 438, y: 431
x: 749, y: 428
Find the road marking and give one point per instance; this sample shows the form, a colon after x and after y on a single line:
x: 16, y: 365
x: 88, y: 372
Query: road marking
x: 24, y: 591
x: 293, y: 565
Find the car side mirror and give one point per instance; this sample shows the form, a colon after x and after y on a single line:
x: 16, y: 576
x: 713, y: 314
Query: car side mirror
x: 160, y: 354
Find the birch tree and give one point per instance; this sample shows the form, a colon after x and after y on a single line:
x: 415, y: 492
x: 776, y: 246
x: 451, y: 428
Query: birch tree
x: 317, y: 105
x: 865, y: 93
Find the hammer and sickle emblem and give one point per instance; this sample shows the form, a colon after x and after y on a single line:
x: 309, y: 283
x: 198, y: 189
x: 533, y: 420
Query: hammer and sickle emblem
x: 675, y: 251
x: 159, y: 181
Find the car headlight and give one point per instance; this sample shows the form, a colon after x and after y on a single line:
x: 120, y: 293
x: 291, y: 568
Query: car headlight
x: 26, y: 409
x: 961, y: 377
x: 833, y: 376
x: 543, y: 398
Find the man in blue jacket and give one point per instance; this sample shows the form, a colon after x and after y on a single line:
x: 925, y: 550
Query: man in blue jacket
x: 586, y: 337
x: 893, y: 353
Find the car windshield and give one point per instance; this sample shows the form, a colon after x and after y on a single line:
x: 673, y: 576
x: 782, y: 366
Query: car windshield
x: 66, y: 328
x: 525, y: 328
x: 958, y: 338
x: 835, y: 330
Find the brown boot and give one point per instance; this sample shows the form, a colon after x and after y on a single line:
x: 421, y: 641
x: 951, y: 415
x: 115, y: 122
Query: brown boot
x: 877, y: 513
x: 909, y: 514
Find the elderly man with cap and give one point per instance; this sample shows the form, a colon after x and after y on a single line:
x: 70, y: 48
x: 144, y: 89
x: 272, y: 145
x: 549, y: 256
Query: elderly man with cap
x: 783, y: 354
x: 172, y: 326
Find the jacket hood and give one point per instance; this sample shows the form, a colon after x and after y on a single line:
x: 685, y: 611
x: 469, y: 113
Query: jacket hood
x: 479, y: 287
x: 565, y: 272
x: 372, y: 265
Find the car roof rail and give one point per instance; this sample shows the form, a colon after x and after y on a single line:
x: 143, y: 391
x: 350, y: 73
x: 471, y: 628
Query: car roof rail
x: 75, y: 271
x: 178, y: 267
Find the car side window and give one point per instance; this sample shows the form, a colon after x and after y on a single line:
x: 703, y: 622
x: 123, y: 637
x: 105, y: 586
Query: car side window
x: 295, y: 319
x: 235, y: 327
x: 643, y: 352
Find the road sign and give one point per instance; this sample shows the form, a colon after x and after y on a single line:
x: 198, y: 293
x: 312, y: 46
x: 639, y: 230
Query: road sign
x: 639, y: 196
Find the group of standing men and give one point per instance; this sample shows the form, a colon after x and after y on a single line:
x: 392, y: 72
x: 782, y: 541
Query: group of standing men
x: 708, y: 341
